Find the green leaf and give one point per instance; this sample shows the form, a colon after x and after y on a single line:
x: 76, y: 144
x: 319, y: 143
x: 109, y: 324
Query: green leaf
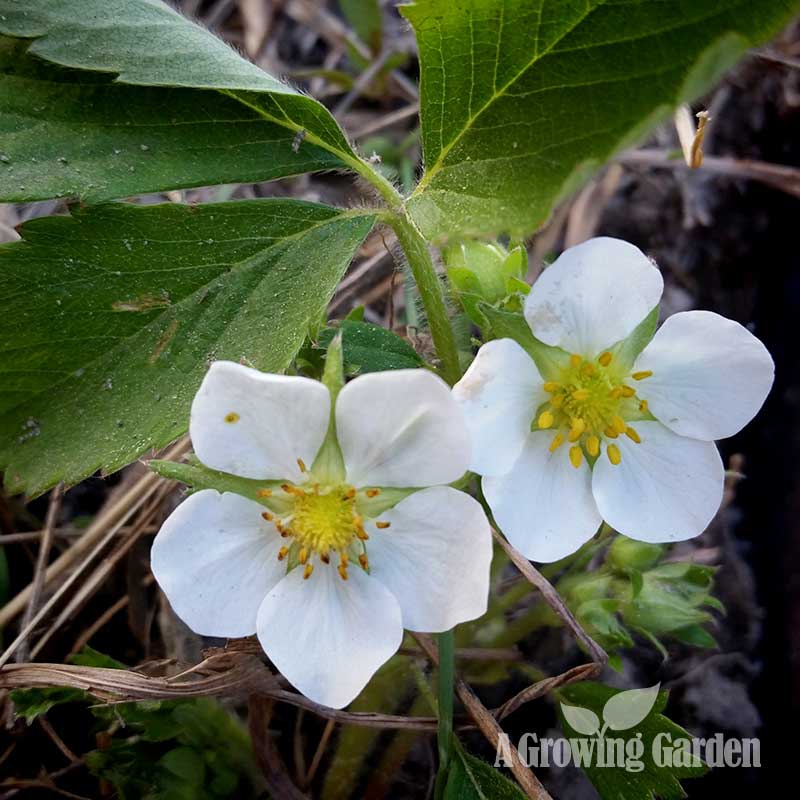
x: 210, y: 101
x: 111, y: 316
x: 521, y: 99
x: 31, y: 703
x: 370, y: 348
x: 472, y: 779
x: 65, y: 132
x: 614, y: 781
x: 365, y: 18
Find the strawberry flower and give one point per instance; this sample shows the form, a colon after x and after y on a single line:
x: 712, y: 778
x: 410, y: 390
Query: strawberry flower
x: 341, y: 531
x: 587, y: 424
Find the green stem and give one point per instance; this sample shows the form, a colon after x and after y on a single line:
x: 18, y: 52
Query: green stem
x: 430, y: 290
x: 446, y: 642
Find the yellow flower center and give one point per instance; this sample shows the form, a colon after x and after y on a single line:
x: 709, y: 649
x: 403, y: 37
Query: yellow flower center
x: 322, y: 521
x: 589, y: 406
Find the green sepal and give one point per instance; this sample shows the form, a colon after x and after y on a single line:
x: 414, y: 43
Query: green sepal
x: 198, y: 477
x: 627, y: 351
x: 328, y: 466
x: 506, y: 325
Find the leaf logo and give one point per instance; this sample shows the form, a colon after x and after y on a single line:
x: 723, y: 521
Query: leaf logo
x: 621, y: 712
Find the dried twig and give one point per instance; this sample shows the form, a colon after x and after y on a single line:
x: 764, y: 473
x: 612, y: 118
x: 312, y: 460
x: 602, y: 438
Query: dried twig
x: 53, y: 511
x: 488, y: 725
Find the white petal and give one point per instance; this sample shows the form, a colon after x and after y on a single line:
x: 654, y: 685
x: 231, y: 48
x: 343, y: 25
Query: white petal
x: 710, y: 375
x: 499, y: 395
x: 328, y: 636
x: 544, y: 506
x: 401, y: 428
x: 593, y: 295
x: 666, y: 489
x: 434, y: 558
x: 278, y: 419
x: 215, y: 559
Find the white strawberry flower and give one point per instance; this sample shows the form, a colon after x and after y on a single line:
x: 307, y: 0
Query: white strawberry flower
x: 598, y: 428
x: 349, y: 532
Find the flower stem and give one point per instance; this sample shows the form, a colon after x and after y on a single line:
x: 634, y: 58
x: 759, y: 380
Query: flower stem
x: 446, y: 642
x: 430, y: 289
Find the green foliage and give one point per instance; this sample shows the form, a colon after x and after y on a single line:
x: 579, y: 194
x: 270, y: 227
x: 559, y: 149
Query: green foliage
x: 111, y: 316
x: 370, y: 348
x: 101, y: 139
x: 486, y: 272
x: 614, y: 782
x: 164, y: 750
x: 227, y: 120
x: 364, y: 17
x: 520, y: 99
x: 470, y: 778
x: 635, y: 592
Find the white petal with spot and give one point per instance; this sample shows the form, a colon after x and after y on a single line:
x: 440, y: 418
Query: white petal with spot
x: 666, y: 489
x: 215, y: 559
x: 499, y: 395
x: 544, y: 506
x: 593, y: 295
x: 401, y: 428
x: 329, y: 636
x: 434, y: 558
x: 280, y: 418
x: 710, y: 375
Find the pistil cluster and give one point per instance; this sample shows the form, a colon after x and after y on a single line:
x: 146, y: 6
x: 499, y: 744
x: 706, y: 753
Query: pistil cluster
x: 589, y: 406
x: 323, y: 522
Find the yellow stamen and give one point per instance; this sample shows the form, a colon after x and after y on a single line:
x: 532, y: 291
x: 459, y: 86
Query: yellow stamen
x: 614, y: 456
x: 293, y: 490
x: 351, y: 493
x: 575, y: 360
x: 576, y: 455
x: 232, y: 417
x: 627, y: 391
x: 588, y: 368
x: 382, y: 525
x: 302, y: 465
x: 643, y: 407
x: 343, y: 572
x: 282, y: 553
x: 610, y: 432
x: 616, y: 392
x: 580, y: 395
x: 618, y: 424
x: 642, y: 374
x: 605, y: 358
x: 633, y: 435
x: 551, y: 386
x: 363, y: 560
x: 309, y: 568
x: 557, y: 400
x: 344, y: 559
x: 578, y: 427
x: 264, y: 493
x: 325, y: 558
x: 303, y: 555
x: 593, y: 445
x: 558, y: 440
x: 372, y: 492
x: 546, y: 419
x: 267, y: 516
